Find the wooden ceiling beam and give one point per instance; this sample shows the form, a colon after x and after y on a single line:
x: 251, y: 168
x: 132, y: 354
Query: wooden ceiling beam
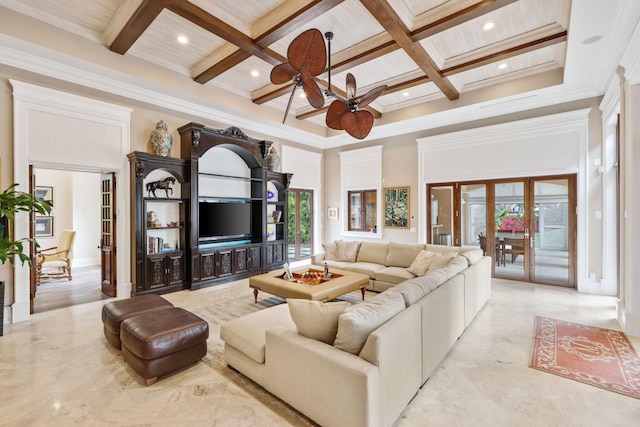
x: 507, y: 53
x: 367, y: 51
x: 460, y: 17
x: 390, y: 21
x: 305, y: 12
x: 488, y: 59
x: 204, y: 19
x: 136, y: 25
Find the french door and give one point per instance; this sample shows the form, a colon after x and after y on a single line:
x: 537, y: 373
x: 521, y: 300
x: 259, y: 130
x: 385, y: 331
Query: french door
x: 527, y: 225
x: 300, y: 233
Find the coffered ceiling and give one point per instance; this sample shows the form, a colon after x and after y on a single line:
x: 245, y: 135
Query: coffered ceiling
x: 435, y: 54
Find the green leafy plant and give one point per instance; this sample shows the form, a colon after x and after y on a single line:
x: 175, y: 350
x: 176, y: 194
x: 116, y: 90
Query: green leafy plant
x: 12, y: 201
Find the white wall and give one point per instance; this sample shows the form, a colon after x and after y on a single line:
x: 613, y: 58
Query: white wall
x: 547, y: 145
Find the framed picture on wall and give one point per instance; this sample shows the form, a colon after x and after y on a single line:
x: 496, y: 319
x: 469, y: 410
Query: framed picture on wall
x: 396, y: 207
x: 332, y: 213
x: 44, y: 226
x: 44, y: 193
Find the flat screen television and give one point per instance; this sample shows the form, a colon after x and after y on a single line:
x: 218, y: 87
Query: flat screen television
x: 224, y: 220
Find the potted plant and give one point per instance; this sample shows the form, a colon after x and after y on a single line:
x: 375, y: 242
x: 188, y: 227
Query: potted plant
x: 12, y: 201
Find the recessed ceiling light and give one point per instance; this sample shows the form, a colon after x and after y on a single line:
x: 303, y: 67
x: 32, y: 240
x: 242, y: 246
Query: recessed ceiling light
x: 183, y: 39
x: 255, y: 73
x: 405, y: 93
x: 503, y: 66
x: 488, y: 26
x: 302, y: 95
x: 591, y: 40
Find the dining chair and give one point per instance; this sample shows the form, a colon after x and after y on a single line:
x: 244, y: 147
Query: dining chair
x: 514, y: 247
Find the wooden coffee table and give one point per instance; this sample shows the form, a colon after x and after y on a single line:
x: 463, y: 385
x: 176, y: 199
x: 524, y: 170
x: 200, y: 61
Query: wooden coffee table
x: 341, y: 282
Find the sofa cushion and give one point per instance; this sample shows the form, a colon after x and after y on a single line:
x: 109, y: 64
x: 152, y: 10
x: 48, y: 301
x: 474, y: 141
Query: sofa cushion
x: 364, y: 268
x: 413, y: 290
x: 330, y: 251
x: 358, y: 321
x: 373, y: 252
x: 472, y: 255
x: 347, y: 251
x: 316, y: 319
x: 420, y: 265
x: 402, y: 254
x: 440, y: 260
x: 337, y: 264
x: 393, y: 275
x: 455, y: 266
x: 247, y: 333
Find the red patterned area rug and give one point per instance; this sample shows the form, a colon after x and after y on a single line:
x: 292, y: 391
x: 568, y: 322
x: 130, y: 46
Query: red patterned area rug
x: 596, y: 356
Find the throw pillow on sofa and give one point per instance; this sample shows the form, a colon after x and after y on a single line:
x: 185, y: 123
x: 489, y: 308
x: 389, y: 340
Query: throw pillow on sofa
x: 420, y: 265
x: 315, y: 319
x: 347, y: 251
x: 330, y: 251
x: 358, y: 321
x: 441, y: 260
x: 402, y: 254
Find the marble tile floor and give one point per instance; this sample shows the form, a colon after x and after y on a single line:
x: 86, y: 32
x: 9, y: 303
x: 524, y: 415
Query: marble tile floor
x: 58, y: 370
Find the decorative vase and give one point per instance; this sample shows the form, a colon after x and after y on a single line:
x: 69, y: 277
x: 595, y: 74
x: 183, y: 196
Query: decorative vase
x: 161, y: 140
x: 273, y: 159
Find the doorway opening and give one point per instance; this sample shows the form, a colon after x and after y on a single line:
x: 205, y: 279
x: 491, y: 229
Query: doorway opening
x: 527, y: 225
x: 78, y: 205
x: 300, y: 232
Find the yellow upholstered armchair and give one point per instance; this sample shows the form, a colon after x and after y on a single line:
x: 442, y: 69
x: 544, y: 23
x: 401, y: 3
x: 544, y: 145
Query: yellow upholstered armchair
x: 56, y: 261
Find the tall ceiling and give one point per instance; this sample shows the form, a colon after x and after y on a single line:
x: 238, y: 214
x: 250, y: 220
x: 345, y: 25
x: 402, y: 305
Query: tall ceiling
x: 433, y: 55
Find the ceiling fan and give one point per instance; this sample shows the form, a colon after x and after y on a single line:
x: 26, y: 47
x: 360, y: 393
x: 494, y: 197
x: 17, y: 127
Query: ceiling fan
x: 307, y: 58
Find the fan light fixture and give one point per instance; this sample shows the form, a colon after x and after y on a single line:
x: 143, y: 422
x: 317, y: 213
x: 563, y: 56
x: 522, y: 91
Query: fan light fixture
x: 307, y: 55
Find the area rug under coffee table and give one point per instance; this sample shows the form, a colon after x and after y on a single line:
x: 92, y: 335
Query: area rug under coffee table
x: 600, y: 357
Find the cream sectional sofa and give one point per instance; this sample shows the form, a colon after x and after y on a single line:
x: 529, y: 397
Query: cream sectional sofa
x: 386, y: 263
x: 360, y: 366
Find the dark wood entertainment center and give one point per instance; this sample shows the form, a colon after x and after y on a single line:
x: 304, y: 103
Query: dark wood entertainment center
x: 172, y: 254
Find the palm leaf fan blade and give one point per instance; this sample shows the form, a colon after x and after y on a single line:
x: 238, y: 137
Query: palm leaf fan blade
x: 335, y: 113
x: 282, y: 73
x: 371, y: 96
x: 312, y: 91
x: 308, y: 51
x: 351, y: 86
x: 358, y: 124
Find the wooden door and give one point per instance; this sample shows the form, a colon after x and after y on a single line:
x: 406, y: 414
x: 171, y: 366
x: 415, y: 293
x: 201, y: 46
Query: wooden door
x: 32, y: 247
x: 108, y: 234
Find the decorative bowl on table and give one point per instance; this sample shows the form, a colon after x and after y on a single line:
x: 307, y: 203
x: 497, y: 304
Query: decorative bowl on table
x: 312, y: 277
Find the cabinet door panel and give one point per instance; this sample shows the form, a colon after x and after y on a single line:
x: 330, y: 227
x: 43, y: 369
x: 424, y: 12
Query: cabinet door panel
x: 226, y: 262
x: 156, y: 272
x: 208, y: 265
x: 176, y: 269
x: 241, y: 260
x: 255, y: 261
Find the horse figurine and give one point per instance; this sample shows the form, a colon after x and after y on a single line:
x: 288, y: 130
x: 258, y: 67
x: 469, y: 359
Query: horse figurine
x: 164, y: 184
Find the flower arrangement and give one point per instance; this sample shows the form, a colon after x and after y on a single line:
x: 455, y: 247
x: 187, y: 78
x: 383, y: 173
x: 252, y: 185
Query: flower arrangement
x: 511, y: 223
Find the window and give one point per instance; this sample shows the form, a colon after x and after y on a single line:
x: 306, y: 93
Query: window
x: 363, y: 210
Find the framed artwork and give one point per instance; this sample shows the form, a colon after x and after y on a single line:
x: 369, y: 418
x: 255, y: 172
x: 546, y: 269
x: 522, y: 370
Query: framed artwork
x: 44, y: 226
x: 332, y: 213
x: 396, y: 207
x: 45, y: 193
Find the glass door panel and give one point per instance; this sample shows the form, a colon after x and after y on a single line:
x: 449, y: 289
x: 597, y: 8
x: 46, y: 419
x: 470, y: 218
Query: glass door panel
x: 473, y: 215
x: 442, y: 215
x: 552, y: 226
x: 511, y: 233
x: 300, y: 235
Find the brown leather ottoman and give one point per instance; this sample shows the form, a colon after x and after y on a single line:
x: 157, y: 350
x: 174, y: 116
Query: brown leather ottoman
x: 162, y: 341
x: 115, y: 312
